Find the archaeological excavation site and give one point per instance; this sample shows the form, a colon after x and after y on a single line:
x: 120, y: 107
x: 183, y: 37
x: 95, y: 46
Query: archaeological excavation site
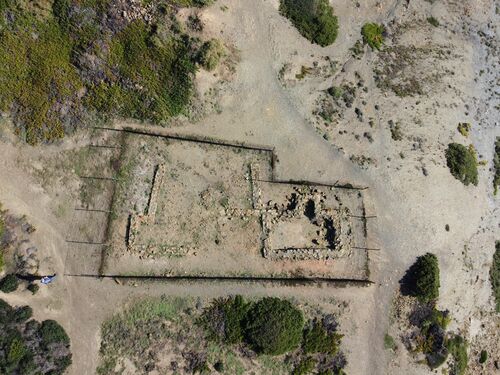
x: 174, y: 206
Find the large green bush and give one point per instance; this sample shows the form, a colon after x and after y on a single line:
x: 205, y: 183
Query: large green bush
x: 314, y: 19
x: 51, y: 332
x: 426, y: 269
x: 9, y: 283
x: 462, y: 163
x: 274, y: 326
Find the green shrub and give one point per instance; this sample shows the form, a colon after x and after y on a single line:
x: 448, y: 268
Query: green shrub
x: 495, y: 275
x: 496, y: 166
x: 457, y: 347
x: 332, y: 372
x: 464, y: 128
x: 304, y: 367
x: 6, y: 312
x: 60, y: 10
x: 426, y: 270
x: 33, y: 288
x: 318, y: 340
x: 483, y: 356
x: 210, y: 54
x: 274, y: 326
x: 9, y: 283
x: 314, y: 19
x: 23, y: 313
x: 373, y: 35
x: 389, y: 342
x: 462, y: 163
x: 51, y: 332
x: 16, y: 351
x: 433, y: 21
x: 223, y: 319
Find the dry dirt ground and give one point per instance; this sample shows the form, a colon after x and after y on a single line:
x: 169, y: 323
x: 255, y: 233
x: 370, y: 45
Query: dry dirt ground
x: 264, y: 102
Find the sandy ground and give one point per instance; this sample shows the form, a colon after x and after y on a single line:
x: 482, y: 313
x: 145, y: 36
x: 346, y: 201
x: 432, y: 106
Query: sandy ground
x: 256, y: 107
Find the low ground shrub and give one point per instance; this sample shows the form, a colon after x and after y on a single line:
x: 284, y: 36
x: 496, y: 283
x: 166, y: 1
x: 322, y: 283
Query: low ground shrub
x: 223, y: 319
x: 433, y: 21
x: 373, y: 35
x: 457, y: 348
x: 210, y: 54
x: 314, y: 19
x: 462, y: 163
x: 274, y: 326
x: 496, y: 166
x: 9, y: 283
x: 318, y: 340
x: 304, y: 367
x: 389, y: 342
x: 464, y: 128
x: 495, y: 275
x: 23, y: 313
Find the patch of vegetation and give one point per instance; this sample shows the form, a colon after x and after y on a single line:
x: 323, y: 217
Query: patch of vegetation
x: 495, y: 275
x: 152, y: 77
x: 422, y: 279
x: 433, y: 21
x: 396, y: 132
x: 432, y: 339
x: 373, y: 35
x: 400, y: 70
x: 304, y: 367
x: 37, y: 77
x: 496, y: 165
x: 457, y: 348
x: 319, y: 339
x: 274, y: 326
x: 223, y: 319
x: 464, y: 128
x: 9, y: 283
x: 462, y: 163
x: 28, y: 347
x: 483, y: 357
x: 357, y: 50
x: 60, y: 67
x: 210, y: 54
x: 2, y: 233
x: 389, y: 342
x: 314, y: 19
x: 219, y: 338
